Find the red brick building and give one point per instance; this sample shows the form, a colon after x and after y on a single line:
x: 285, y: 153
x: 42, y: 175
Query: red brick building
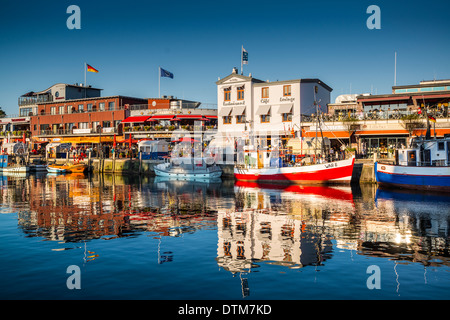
x: 81, y: 117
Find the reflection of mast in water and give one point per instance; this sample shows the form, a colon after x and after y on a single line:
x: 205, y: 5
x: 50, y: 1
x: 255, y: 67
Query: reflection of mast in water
x: 167, y: 256
x: 244, y: 285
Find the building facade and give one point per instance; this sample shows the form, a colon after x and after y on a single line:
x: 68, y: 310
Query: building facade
x: 378, y: 124
x: 249, y: 105
x: 28, y: 103
x: 80, y: 117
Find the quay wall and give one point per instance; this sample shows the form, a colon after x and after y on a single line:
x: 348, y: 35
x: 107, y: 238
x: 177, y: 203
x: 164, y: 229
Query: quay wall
x: 363, y: 172
x: 125, y: 166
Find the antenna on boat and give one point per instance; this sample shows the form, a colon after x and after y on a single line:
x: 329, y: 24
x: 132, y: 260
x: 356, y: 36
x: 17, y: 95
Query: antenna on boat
x: 428, y: 133
x: 316, y: 90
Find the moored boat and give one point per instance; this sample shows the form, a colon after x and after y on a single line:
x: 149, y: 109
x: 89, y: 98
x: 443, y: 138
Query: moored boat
x: 17, y: 169
x: 424, y: 165
x: 335, y: 172
x: 188, y: 168
x: 70, y: 168
x: 9, y: 163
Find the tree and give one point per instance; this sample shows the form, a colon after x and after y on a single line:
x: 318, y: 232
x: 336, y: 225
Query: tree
x: 2, y: 113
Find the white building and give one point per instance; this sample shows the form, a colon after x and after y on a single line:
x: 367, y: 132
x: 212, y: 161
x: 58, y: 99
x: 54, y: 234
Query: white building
x: 248, y: 105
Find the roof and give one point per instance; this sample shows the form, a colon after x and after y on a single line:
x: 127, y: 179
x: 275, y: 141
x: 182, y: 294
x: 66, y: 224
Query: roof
x: 404, y: 96
x: 427, y: 83
x: 318, y: 81
x: 93, y: 98
x: 236, y: 75
x: 32, y: 93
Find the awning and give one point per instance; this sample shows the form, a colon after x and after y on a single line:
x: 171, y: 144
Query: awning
x: 136, y: 119
x: 225, y: 111
x: 189, y: 116
x: 163, y: 117
x: 237, y: 111
x: 285, y: 108
x: 381, y: 132
x: 75, y: 140
x: 327, y: 134
x: 263, y: 110
x: 391, y: 98
x: 439, y: 132
x: 211, y: 117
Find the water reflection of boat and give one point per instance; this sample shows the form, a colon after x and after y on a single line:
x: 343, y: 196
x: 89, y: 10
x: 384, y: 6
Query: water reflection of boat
x: 71, y: 168
x: 414, y: 202
x: 19, y: 174
x: 295, y: 199
x: 181, y: 185
x: 336, y: 193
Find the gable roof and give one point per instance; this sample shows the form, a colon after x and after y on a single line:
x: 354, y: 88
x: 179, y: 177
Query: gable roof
x: 236, y: 75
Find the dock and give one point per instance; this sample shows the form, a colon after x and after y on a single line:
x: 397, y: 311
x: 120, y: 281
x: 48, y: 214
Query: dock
x: 363, y: 171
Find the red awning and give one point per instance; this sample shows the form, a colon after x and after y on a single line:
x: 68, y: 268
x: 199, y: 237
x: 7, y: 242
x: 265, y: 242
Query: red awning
x: 136, y: 119
x: 189, y: 116
x: 162, y: 117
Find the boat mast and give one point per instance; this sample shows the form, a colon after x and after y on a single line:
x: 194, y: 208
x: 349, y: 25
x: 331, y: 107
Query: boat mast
x: 316, y: 89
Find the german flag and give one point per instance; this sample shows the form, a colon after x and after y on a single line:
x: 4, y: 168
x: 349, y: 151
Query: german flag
x: 91, y: 69
x: 432, y: 119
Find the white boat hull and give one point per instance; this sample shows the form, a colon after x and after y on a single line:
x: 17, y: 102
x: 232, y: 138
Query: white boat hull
x: 166, y: 170
x: 21, y: 169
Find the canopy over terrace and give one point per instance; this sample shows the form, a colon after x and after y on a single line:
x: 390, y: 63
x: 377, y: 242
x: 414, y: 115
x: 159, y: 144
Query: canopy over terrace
x: 80, y: 140
x: 136, y: 119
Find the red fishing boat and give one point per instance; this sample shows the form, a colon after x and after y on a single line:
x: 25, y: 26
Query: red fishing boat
x: 335, y: 172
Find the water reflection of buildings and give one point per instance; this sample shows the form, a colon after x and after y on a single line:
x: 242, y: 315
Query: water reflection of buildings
x: 298, y: 226
x: 73, y: 208
x: 252, y: 236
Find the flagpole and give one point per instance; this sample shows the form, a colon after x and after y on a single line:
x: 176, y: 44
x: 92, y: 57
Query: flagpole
x: 242, y: 57
x: 159, y: 82
x: 395, y: 69
x: 85, y: 86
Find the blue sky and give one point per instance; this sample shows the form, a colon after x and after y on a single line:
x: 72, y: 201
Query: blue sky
x: 199, y: 41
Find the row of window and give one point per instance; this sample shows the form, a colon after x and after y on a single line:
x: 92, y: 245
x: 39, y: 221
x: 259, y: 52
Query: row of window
x: 79, y: 125
x: 89, y: 107
x: 264, y: 118
x: 264, y: 92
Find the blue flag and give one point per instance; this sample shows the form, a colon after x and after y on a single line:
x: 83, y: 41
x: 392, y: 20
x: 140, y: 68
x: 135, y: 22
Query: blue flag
x: 165, y: 73
x: 244, y: 56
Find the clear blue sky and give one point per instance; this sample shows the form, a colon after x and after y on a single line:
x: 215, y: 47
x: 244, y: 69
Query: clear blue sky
x: 199, y: 41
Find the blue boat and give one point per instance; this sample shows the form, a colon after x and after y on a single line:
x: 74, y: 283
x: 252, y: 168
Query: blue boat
x: 424, y: 165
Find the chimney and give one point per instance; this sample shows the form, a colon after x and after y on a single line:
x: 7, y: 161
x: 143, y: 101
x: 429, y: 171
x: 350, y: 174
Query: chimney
x: 235, y: 70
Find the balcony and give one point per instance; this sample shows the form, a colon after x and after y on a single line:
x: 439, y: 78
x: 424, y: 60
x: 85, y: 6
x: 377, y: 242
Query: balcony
x: 377, y: 116
x: 75, y: 132
x: 31, y: 100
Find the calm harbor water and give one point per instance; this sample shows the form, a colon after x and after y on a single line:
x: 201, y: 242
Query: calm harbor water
x: 146, y: 238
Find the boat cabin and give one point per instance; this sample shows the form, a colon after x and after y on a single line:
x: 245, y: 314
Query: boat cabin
x: 153, y: 149
x: 433, y: 152
x: 58, y: 150
x: 16, y: 148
